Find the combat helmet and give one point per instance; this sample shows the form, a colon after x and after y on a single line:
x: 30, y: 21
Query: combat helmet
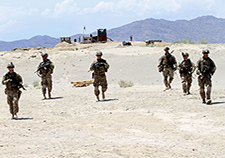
x: 98, y: 53
x: 185, y: 54
x: 167, y: 48
x: 10, y: 65
x: 205, y: 51
x: 44, y: 55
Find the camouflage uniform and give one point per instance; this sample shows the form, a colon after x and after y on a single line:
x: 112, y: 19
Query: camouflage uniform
x: 205, y: 69
x: 168, y: 65
x: 46, y: 76
x: 99, y: 66
x: 12, y: 81
x: 186, y: 68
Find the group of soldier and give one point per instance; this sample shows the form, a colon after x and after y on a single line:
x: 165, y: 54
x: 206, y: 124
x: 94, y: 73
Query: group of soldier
x: 167, y: 65
x: 14, y: 81
x: 205, y: 69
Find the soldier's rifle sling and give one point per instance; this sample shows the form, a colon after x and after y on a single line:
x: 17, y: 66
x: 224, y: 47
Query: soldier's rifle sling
x: 205, y: 73
x: 96, y: 65
x: 15, y: 80
x: 43, y: 65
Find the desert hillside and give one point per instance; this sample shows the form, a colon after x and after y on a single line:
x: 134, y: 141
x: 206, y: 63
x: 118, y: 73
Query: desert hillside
x: 141, y: 121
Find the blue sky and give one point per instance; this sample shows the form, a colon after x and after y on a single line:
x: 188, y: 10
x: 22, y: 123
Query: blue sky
x: 23, y: 19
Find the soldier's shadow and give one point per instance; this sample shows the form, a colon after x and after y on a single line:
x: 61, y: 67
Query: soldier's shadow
x: 52, y: 98
x: 106, y: 100
x: 22, y: 118
x: 215, y: 103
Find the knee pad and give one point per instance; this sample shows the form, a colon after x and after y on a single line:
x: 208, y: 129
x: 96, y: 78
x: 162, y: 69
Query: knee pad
x: 104, y: 89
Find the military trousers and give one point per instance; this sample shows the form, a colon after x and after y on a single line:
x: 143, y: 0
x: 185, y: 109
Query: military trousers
x: 186, y: 80
x: 205, y: 83
x: 13, y: 97
x: 100, y: 80
x: 168, y: 72
x: 46, y: 84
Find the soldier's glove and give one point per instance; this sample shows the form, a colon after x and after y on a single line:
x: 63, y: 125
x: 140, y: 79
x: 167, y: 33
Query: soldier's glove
x: 102, y: 64
x: 9, y: 80
x: 198, y: 72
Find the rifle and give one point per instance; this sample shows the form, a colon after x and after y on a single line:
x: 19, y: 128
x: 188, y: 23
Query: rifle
x: 161, y: 66
x: 170, y: 63
x: 97, y: 65
x: 184, y: 70
x: 43, y: 66
x: 205, y: 73
x: 15, y: 82
x: 20, y: 86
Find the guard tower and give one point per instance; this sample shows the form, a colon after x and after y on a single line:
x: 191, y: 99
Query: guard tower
x: 102, y: 35
x: 65, y: 39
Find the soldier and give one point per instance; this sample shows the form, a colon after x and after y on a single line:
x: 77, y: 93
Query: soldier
x: 167, y: 65
x: 186, y: 68
x: 45, y: 70
x: 205, y: 69
x: 99, y: 66
x: 131, y: 37
x: 13, y: 82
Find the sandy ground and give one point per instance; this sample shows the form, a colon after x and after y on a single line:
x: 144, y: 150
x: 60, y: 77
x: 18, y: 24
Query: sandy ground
x: 136, y: 122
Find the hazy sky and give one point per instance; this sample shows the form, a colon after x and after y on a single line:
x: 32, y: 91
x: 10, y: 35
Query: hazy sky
x: 23, y: 19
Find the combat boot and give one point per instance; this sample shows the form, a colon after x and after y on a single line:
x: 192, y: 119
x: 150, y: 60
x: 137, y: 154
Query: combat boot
x: 103, y: 96
x: 167, y: 88
x: 203, y: 101
x: 49, y: 95
x: 15, y: 116
x: 208, y: 101
x: 44, y: 97
x: 98, y: 98
x: 184, y: 92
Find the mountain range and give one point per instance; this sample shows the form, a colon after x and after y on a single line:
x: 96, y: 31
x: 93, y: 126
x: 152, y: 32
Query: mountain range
x: 36, y: 41
x: 209, y: 28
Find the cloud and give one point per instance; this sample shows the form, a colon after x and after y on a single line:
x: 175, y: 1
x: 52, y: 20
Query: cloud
x: 46, y: 13
x: 6, y: 25
x: 210, y: 3
x: 133, y: 7
x: 142, y: 7
x: 101, y: 7
x: 104, y: 7
x: 124, y: 6
x: 11, y: 17
x: 65, y: 8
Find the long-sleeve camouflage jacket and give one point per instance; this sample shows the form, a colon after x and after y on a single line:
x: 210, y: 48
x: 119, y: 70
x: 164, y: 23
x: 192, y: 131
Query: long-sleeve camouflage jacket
x: 205, y: 64
x: 168, y: 61
x: 99, y: 66
x: 46, y: 68
x: 12, y: 81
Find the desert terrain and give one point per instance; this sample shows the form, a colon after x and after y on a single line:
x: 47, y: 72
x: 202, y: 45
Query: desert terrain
x: 141, y: 121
